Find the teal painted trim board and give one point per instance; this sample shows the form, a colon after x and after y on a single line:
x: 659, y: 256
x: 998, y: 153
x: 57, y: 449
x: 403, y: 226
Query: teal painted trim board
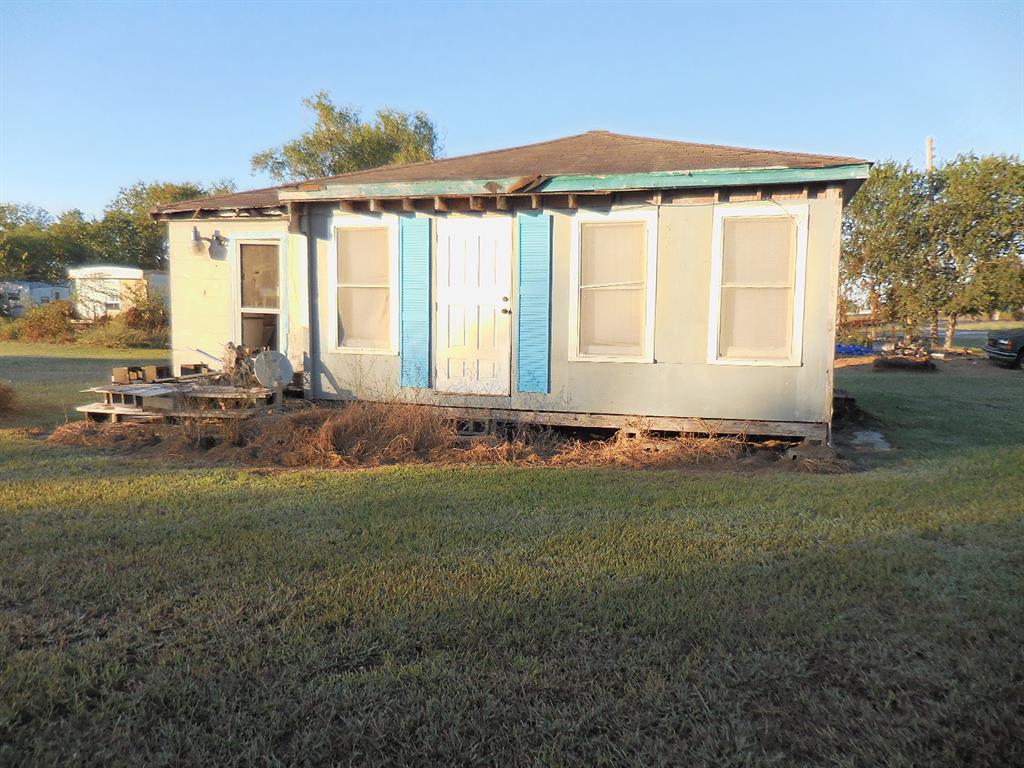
x: 682, y: 179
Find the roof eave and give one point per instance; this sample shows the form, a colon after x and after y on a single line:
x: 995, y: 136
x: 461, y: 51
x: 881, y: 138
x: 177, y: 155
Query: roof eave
x: 731, y: 177
x: 248, y: 211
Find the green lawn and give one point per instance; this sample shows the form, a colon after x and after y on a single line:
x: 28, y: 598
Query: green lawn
x: 155, y: 614
x: 50, y: 377
x: 990, y: 325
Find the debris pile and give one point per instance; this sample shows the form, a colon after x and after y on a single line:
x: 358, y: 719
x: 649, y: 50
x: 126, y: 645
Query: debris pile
x: 150, y: 393
x: 905, y: 356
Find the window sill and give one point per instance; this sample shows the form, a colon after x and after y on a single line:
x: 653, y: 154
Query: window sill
x: 363, y: 351
x: 757, y: 363
x: 608, y: 359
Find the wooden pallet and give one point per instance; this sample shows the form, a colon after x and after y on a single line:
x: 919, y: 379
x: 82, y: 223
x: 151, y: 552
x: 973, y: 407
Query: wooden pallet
x: 116, y: 413
x: 175, y: 399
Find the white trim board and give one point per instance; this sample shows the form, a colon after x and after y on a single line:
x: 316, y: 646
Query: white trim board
x: 649, y: 218
x: 799, y: 213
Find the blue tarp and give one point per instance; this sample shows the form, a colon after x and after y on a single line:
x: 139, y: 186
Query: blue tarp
x: 853, y: 350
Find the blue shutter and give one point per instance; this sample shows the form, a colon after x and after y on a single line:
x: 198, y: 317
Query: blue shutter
x: 414, y: 268
x: 533, y: 338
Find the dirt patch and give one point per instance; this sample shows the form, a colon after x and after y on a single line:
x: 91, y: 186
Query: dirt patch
x: 849, y: 362
x: 904, y: 363
x: 373, y: 434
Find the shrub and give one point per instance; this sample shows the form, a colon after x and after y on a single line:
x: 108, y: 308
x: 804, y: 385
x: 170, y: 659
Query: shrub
x: 854, y: 337
x: 146, y: 311
x: 6, y: 398
x: 12, y: 330
x: 117, y: 334
x: 49, y: 322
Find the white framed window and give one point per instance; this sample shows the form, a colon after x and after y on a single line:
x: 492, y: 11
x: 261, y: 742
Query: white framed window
x: 259, y: 276
x: 613, y: 281
x: 758, y: 275
x: 363, y: 274
x: 259, y: 293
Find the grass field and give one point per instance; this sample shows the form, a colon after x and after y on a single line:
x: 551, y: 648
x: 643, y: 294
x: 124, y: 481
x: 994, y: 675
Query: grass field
x: 52, y: 377
x: 153, y: 614
x: 990, y: 325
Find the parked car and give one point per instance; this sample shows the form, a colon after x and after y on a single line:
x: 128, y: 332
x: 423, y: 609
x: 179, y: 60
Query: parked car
x: 1006, y: 347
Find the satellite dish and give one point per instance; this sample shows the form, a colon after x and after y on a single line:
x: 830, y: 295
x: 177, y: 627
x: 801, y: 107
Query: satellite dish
x: 272, y: 369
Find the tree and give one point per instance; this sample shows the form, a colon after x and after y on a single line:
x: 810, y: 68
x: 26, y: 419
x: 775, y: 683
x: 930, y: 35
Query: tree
x: 340, y: 142
x: 977, y: 221
x: 886, y: 245
x: 16, y: 215
x: 26, y: 254
x: 127, y: 233
x: 73, y: 239
x: 948, y: 243
x: 35, y: 247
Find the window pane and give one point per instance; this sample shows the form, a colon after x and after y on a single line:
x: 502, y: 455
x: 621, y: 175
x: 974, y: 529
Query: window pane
x: 611, y: 253
x: 612, y: 321
x: 259, y: 276
x: 363, y: 256
x: 364, y: 319
x: 758, y: 251
x: 755, y: 323
x: 259, y: 331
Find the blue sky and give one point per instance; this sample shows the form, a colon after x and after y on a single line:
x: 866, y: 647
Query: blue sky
x: 94, y: 96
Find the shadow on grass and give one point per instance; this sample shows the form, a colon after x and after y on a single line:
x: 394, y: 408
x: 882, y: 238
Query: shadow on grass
x: 607, y: 645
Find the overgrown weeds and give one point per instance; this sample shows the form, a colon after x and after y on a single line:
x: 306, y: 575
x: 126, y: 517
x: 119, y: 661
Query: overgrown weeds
x: 142, y: 324
x: 50, y: 322
x: 372, y: 434
x: 12, y: 329
x: 117, y: 333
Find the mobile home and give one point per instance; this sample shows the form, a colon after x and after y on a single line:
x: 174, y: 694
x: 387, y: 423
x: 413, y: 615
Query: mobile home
x: 17, y: 296
x: 598, y: 279
x: 106, y: 291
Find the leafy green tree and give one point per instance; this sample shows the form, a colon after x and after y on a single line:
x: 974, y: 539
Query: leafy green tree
x: 73, y: 239
x: 16, y: 215
x: 26, y: 253
x: 24, y: 243
x: 950, y: 242
x: 35, y: 247
x: 977, y: 222
x: 127, y: 233
x: 886, y: 245
x: 340, y: 142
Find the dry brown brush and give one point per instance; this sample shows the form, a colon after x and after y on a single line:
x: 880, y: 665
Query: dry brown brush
x: 370, y: 434
x: 7, y: 398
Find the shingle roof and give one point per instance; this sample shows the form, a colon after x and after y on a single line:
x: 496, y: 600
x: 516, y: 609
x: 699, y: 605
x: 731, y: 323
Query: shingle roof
x: 254, y: 198
x: 592, y: 153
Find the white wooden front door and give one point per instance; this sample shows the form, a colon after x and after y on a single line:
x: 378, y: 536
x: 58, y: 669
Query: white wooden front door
x: 474, y: 305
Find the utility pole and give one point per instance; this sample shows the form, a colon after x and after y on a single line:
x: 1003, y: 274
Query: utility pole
x: 929, y: 164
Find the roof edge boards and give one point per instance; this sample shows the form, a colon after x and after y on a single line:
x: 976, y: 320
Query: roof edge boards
x: 711, y: 178
x: 504, y: 185
x: 583, y: 183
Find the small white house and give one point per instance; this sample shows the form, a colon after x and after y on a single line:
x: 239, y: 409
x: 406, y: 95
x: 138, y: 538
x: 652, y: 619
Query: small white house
x: 19, y: 295
x: 592, y: 280
x: 106, y: 291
